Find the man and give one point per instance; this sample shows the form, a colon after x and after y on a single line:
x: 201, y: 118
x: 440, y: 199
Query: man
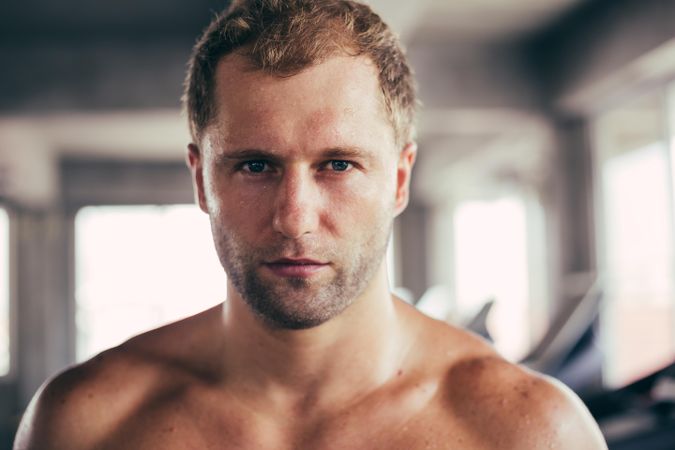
x: 301, y: 115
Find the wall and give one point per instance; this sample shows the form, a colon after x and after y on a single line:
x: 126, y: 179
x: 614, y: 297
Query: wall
x: 594, y: 44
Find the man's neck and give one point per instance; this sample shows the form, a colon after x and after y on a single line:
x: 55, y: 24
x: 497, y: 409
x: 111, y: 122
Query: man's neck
x: 338, y: 361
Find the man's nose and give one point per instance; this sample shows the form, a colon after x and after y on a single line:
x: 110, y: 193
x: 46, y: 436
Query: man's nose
x: 296, y: 208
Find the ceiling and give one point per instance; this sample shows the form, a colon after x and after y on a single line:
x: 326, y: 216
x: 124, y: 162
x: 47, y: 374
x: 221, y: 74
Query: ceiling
x: 471, y: 19
x: 36, y: 19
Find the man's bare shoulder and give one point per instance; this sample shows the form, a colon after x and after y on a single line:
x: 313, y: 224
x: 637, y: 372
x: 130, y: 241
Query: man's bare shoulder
x: 80, y: 406
x: 514, y: 407
x: 503, y: 404
x: 85, y: 404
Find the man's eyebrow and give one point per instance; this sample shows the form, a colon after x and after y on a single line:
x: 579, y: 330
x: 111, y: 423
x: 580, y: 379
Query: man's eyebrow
x: 346, y: 153
x: 329, y: 153
x: 248, y: 153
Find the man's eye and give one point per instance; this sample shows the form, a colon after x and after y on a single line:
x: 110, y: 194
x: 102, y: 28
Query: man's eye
x: 339, y: 166
x: 255, y: 166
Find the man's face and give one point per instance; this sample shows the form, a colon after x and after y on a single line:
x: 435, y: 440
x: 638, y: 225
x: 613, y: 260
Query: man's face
x: 301, y: 179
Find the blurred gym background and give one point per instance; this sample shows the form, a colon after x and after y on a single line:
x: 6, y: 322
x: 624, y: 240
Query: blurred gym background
x: 542, y: 214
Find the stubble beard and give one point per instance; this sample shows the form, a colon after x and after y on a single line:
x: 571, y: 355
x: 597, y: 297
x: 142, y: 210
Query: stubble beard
x: 301, y: 303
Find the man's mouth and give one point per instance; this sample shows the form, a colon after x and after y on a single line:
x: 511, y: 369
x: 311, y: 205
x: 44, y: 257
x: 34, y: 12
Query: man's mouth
x: 296, y: 267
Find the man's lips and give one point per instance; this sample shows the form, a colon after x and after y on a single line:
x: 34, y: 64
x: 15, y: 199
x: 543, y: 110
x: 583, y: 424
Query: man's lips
x: 297, y: 268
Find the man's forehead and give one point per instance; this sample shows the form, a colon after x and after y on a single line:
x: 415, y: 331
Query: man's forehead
x: 236, y: 79
x: 336, y: 98
x: 319, y: 131
x: 239, y: 64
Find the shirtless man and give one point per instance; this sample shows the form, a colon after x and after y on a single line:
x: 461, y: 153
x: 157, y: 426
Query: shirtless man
x: 301, y: 116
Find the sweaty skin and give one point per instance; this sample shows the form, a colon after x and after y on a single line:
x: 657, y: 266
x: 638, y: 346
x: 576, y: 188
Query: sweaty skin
x: 301, y: 177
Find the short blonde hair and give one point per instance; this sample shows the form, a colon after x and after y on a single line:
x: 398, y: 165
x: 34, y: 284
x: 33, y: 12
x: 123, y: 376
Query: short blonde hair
x: 283, y: 37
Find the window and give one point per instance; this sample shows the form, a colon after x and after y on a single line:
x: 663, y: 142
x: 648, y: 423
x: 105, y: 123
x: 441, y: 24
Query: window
x: 634, y: 182
x: 138, y: 267
x: 492, y: 262
x: 4, y: 293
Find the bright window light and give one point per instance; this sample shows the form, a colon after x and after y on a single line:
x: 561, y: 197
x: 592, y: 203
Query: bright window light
x: 635, y: 238
x: 639, y: 264
x: 139, y: 267
x: 491, y: 263
x: 4, y: 293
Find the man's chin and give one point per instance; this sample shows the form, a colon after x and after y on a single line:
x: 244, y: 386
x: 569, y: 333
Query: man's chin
x: 295, y: 314
x: 294, y: 323
x: 298, y: 305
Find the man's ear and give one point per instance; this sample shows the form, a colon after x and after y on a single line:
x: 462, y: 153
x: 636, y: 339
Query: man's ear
x: 406, y: 161
x: 194, y: 162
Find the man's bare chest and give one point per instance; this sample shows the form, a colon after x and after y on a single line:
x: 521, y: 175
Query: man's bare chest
x: 182, y: 426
